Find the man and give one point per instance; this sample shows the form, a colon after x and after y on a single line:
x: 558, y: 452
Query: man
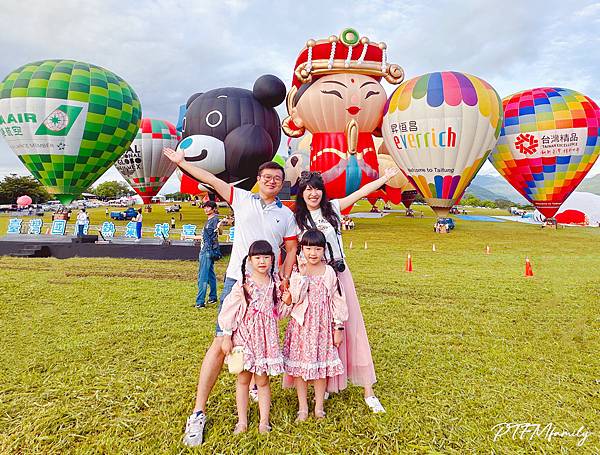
x: 208, y: 254
x: 138, y: 224
x: 257, y: 217
x: 82, y: 218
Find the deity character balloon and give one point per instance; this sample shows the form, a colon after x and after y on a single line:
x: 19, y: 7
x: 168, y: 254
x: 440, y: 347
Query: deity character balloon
x: 231, y: 131
x: 144, y: 166
x: 336, y: 96
x: 392, y: 190
x: 548, y: 143
x: 440, y: 128
x: 67, y: 121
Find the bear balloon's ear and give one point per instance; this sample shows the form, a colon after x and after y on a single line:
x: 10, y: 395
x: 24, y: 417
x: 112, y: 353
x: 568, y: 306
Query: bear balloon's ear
x: 191, y: 99
x: 269, y: 90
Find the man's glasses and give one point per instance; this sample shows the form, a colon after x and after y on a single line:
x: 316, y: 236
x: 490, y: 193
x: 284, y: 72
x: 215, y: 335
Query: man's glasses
x: 274, y: 178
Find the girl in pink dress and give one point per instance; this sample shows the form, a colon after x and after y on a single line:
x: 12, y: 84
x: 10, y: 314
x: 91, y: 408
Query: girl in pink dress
x: 249, y: 319
x: 315, y: 329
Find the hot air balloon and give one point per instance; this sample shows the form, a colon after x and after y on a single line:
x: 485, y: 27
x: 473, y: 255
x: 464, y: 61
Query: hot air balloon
x: 409, y: 194
x: 440, y: 128
x: 144, y: 165
x: 336, y: 95
x: 548, y: 143
x: 24, y: 201
x: 230, y: 132
x: 67, y: 121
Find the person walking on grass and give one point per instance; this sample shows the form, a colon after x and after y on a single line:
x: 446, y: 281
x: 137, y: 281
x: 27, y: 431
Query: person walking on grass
x: 209, y: 253
x: 248, y: 320
x: 315, y: 210
x: 259, y: 216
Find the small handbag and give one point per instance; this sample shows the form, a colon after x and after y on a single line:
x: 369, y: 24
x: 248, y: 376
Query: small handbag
x: 235, y: 360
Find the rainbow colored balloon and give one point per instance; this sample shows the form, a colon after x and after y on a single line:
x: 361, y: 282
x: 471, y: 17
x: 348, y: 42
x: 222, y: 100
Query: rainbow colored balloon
x: 440, y: 128
x: 548, y: 143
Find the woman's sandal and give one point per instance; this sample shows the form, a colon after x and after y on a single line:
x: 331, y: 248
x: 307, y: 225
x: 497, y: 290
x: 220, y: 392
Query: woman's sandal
x: 319, y: 414
x: 302, y: 416
x: 264, y: 428
x: 240, y: 428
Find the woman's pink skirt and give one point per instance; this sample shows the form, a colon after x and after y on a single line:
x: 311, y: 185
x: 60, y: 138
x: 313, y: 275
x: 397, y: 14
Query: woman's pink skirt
x: 355, y: 352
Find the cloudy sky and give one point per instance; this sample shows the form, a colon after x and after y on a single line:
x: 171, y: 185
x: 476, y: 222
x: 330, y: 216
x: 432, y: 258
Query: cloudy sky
x: 170, y: 49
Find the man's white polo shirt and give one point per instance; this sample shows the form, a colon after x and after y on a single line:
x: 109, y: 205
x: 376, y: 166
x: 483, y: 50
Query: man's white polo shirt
x: 273, y: 222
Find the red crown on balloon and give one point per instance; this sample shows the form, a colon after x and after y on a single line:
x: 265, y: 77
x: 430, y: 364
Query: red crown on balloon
x: 346, y: 53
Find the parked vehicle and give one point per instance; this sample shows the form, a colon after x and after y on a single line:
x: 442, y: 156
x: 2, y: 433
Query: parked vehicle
x: 173, y: 208
x: 125, y: 215
x: 447, y: 222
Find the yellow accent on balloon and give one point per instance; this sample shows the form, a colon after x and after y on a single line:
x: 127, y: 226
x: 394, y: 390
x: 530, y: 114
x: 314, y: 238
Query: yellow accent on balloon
x: 483, y: 98
x: 562, y: 115
x: 546, y: 125
x: 421, y: 182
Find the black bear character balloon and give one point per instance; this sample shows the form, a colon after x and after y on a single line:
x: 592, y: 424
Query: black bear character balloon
x: 231, y: 131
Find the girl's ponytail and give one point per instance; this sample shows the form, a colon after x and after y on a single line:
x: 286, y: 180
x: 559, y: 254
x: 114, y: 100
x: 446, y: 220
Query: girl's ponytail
x: 246, y: 295
x: 273, y: 281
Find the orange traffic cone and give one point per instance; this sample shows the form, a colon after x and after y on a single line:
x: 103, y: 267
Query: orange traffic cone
x: 528, y: 269
x: 487, y: 249
x: 433, y: 248
x: 408, y: 267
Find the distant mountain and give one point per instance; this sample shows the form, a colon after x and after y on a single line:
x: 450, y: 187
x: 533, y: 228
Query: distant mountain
x: 590, y: 185
x: 492, y: 187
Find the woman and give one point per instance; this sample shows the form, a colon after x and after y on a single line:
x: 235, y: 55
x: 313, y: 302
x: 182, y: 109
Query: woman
x: 315, y: 210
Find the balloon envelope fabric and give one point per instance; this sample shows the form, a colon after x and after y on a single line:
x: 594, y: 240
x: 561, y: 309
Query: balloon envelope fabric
x: 144, y: 165
x: 440, y: 128
x: 67, y: 121
x: 548, y: 143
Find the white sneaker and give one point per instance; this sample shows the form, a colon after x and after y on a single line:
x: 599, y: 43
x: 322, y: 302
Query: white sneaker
x: 194, y: 430
x: 254, y: 394
x: 374, y: 404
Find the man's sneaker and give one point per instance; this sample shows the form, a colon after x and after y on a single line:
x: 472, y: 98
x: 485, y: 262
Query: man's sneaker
x: 194, y: 429
x: 200, y: 307
x: 374, y: 404
x: 211, y: 302
x: 254, y: 394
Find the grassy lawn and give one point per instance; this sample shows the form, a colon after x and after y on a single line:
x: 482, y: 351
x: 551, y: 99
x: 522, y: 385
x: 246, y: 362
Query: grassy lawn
x: 102, y: 355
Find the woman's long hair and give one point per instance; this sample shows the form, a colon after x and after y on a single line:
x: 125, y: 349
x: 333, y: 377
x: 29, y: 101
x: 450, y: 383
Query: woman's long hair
x: 260, y: 248
x: 314, y: 180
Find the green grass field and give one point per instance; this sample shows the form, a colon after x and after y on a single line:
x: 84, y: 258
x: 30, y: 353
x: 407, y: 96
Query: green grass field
x: 102, y: 355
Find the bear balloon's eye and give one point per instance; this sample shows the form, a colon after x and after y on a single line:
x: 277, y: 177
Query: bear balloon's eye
x: 214, y: 118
